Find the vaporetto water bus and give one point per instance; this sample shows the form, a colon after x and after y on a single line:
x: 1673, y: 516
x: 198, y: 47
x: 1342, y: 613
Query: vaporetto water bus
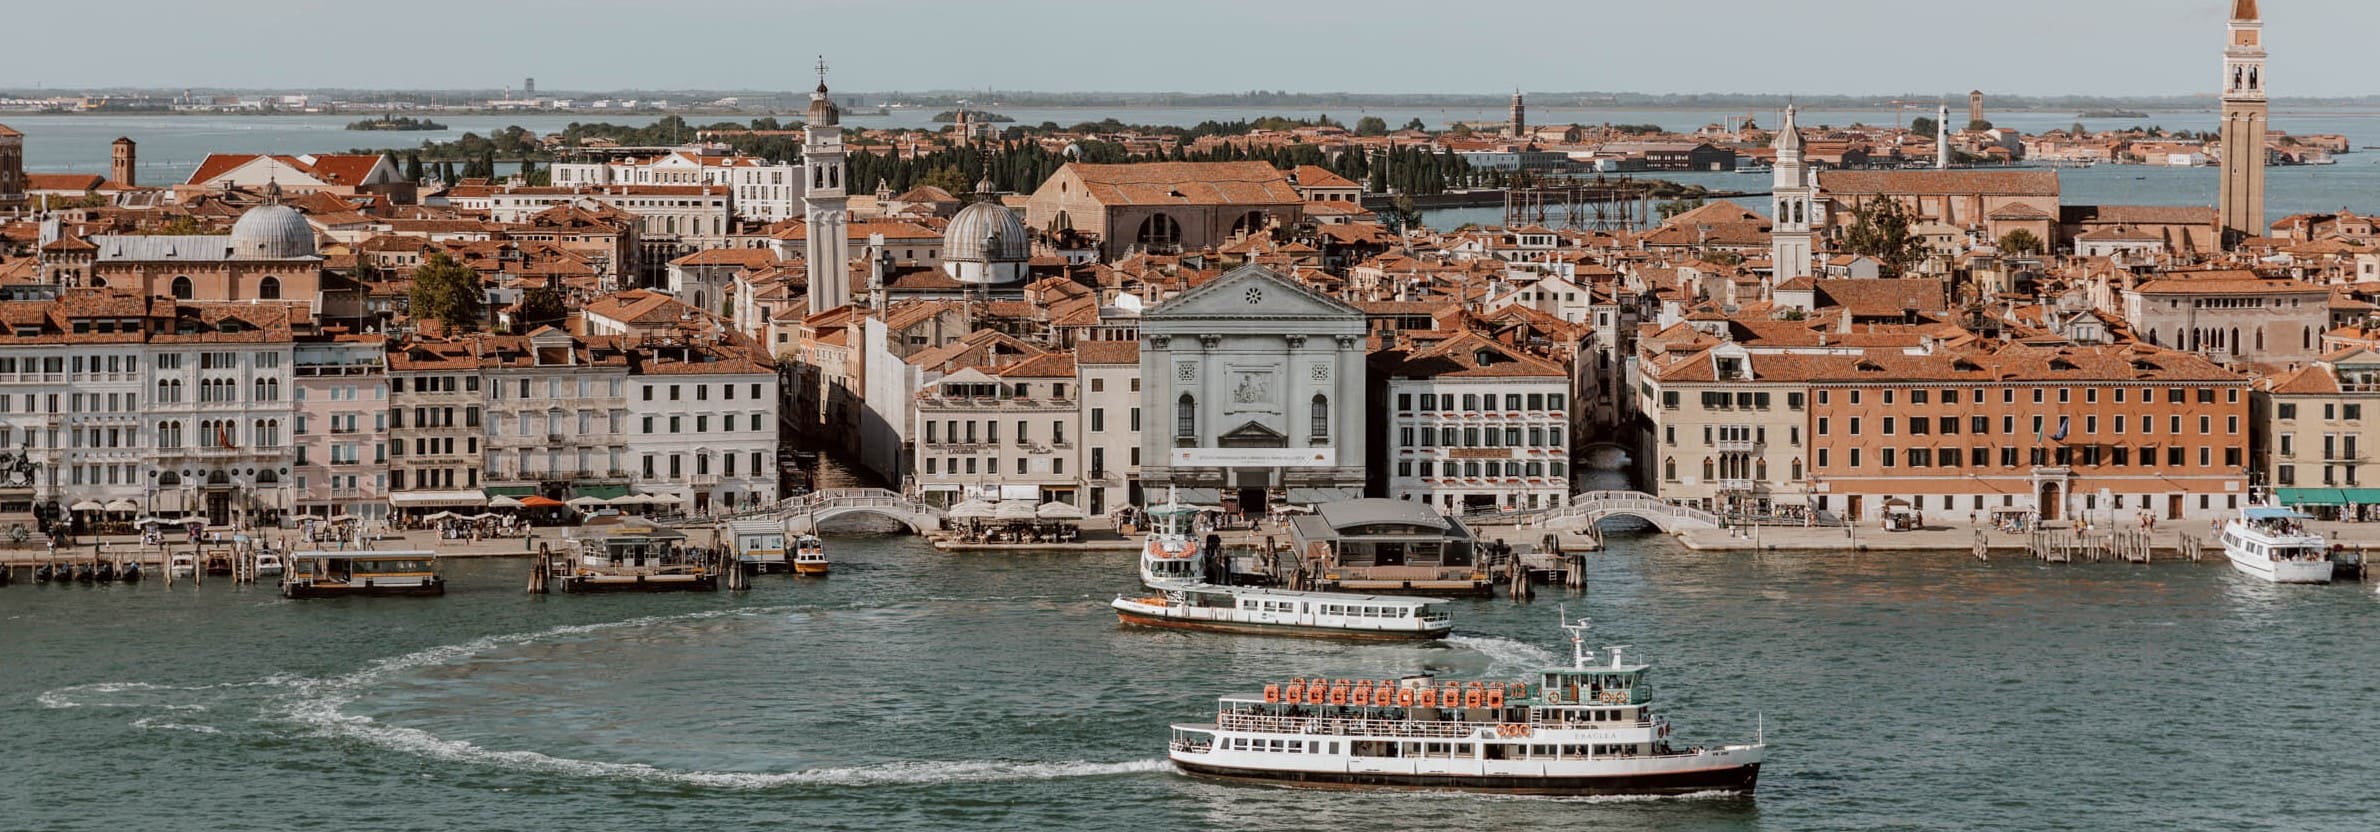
x: 1586, y: 729
x: 1253, y: 611
x: 362, y: 573
x: 2274, y: 544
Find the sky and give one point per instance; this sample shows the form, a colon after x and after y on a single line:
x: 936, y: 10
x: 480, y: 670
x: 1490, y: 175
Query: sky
x: 1817, y: 47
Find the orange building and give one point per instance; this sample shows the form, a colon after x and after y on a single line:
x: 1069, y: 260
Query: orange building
x: 2110, y: 433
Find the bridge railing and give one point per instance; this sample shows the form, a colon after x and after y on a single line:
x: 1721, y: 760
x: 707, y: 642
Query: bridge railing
x: 1599, y: 504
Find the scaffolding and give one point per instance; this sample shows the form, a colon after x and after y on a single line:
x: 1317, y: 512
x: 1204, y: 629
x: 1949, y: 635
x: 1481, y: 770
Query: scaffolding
x: 1598, y: 204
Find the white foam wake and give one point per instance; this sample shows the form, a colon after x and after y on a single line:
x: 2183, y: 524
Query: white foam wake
x: 1505, y: 655
x: 150, y: 723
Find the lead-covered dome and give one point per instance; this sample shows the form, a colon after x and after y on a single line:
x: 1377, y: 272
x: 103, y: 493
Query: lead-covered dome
x: 272, y: 232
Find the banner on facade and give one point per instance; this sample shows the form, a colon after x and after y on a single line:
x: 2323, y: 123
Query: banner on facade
x: 1254, y: 457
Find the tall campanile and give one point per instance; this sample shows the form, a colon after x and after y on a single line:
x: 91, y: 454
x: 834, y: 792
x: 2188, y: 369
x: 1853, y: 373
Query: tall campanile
x: 2245, y: 113
x: 828, y: 249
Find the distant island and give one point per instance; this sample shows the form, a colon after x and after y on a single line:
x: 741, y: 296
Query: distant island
x: 977, y: 116
x: 2112, y: 114
x: 395, y: 123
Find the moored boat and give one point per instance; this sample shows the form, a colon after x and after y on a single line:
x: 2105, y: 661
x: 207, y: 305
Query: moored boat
x: 2274, y: 544
x: 809, y: 557
x: 1584, y: 729
x: 631, y: 555
x: 1253, y: 611
x: 181, y: 564
x: 131, y: 572
x: 1169, y: 556
x: 269, y: 564
x: 362, y: 572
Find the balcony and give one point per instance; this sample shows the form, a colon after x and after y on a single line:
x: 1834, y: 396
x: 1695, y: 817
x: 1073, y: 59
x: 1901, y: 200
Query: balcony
x: 1739, y: 486
x: 703, y: 480
x: 553, y: 439
x: 1738, y: 446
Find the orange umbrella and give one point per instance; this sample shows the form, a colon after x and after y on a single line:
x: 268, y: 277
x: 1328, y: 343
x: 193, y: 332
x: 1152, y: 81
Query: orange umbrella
x: 540, y: 501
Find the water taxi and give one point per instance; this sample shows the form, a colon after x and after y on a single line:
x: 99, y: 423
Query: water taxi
x: 2273, y: 544
x: 809, y: 556
x: 1585, y: 729
x: 759, y: 545
x: 1170, y: 556
x: 361, y: 572
x: 269, y: 564
x: 182, y: 564
x: 633, y: 555
x: 1246, y: 610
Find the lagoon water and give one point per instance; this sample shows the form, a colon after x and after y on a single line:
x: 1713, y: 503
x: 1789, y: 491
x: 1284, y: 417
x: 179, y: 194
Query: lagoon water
x: 922, y: 690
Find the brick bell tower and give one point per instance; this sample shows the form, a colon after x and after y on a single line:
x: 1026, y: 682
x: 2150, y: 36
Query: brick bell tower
x: 2240, y: 209
x: 123, y: 167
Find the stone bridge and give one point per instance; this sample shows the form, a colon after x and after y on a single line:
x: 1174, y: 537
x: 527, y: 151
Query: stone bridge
x: 1585, y: 510
x: 803, y: 514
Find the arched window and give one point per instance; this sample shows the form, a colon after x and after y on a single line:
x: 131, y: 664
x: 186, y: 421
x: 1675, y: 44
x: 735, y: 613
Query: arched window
x: 168, y: 479
x: 1062, y: 222
x: 1159, y: 231
x: 1321, y: 416
x: 269, y: 288
x: 99, y: 282
x: 1669, y: 468
x: 1710, y: 469
x: 1797, y: 469
x: 267, y: 477
x: 1185, y: 417
x: 182, y: 288
x: 1248, y: 223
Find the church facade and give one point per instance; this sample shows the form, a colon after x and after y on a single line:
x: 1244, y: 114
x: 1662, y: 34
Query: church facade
x: 1255, y: 387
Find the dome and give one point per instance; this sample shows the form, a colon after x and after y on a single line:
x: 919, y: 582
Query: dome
x: 272, y: 232
x: 986, y: 243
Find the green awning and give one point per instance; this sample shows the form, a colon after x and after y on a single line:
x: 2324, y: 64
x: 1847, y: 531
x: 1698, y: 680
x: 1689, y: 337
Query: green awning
x: 605, y: 491
x: 2316, y: 496
x: 2362, y: 496
x: 510, y: 490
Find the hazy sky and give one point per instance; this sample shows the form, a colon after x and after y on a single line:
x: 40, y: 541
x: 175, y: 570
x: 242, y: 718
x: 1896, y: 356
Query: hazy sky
x: 2031, y: 47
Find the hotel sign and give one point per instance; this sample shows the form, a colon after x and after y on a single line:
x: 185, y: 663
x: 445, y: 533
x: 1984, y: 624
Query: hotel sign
x: 1254, y: 457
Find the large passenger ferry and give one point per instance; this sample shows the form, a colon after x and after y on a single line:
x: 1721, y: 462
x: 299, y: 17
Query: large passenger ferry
x: 1253, y: 611
x: 2274, y: 544
x: 1586, y: 729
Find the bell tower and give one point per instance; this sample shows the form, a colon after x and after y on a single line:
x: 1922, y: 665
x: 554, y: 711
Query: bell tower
x: 824, y: 203
x: 2240, y: 209
x: 1791, y: 198
x: 122, y: 166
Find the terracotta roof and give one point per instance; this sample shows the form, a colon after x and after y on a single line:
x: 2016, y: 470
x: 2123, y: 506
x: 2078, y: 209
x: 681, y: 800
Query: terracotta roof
x: 1185, y: 183
x: 1317, y: 176
x: 1107, y: 352
x: 1941, y: 182
x: 63, y: 181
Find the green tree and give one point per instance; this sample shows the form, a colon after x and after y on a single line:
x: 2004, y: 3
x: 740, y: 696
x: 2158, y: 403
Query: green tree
x: 1924, y: 126
x: 1880, y: 229
x: 2021, y: 241
x: 1401, y: 213
x: 1416, y: 124
x: 1371, y: 126
x: 448, y: 291
x: 539, y: 307
x: 1979, y: 125
x: 413, y: 166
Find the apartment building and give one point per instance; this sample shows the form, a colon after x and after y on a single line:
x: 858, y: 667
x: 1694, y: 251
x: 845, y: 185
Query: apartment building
x: 702, y: 423
x: 1107, y: 374
x: 2316, y: 422
x: 1008, y: 432
x: 339, y: 436
x: 557, y: 415
x: 1727, y: 431
x: 763, y: 190
x: 1476, y: 425
x: 434, y: 426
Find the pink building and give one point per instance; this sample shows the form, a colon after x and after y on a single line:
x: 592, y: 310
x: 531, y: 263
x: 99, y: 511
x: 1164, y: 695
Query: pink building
x: 341, y: 390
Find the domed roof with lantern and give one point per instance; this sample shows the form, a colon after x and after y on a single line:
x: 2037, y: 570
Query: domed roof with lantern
x: 272, y: 231
x: 986, y: 242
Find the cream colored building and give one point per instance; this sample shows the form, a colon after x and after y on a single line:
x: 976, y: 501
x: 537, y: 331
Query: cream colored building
x: 2316, y: 423
x: 1727, y: 432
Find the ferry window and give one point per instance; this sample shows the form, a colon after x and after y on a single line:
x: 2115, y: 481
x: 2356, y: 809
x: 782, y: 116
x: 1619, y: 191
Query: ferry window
x: 1334, y: 748
x: 1462, y: 749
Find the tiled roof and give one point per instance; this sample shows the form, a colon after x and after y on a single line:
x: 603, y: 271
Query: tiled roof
x: 1941, y: 182
x: 1186, y: 183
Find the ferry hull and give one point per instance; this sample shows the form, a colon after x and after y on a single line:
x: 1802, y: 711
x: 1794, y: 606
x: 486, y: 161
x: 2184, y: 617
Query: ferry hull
x: 2282, y: 572
x: 1739, y: 778
x: 817, y: 570
x: 1239, y: 628
x: 302, y: 591
x: 586, y: 586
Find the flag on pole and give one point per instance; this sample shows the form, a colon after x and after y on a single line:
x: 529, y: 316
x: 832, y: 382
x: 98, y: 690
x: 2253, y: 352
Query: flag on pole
x: 2060, y: 436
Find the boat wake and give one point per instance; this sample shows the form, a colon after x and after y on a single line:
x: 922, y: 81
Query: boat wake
x: 318, y: 705
x: 1505, y: 655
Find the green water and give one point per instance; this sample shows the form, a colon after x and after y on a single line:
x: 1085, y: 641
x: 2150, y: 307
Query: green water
x: 922, y: 690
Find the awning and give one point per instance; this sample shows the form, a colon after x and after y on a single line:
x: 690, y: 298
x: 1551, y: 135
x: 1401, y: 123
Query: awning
x: 409, y: 499
x: 2313, y: 496
x: 2362, y: 496
x: 510, y: 490
x: 605, y: 491
x: 1318, y: 496
x: 1195, y: 495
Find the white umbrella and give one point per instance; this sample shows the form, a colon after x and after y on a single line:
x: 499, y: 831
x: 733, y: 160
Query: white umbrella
x: 506, y: 501
x: 88, y: 505
x: 441, y: 515
x: 971, y: 510
x: 588, y: 502
x: 664, y: 499
x: 121, y: 504
x: 1058, y: 510
x: 1013, y: 510
x: 345, y: 518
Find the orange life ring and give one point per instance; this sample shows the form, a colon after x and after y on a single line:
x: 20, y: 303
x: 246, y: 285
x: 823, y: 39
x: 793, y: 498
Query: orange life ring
x: 1426, y: 698
x: 1471, y: 698
x: 1495, y: 697
x: 1404, y: 697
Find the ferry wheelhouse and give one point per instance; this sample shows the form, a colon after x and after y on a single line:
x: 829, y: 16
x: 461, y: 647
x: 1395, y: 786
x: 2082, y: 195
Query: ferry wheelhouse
x: 361, y: 573
x: 1228, y: 609
x: 809, y: 557
x: 2274, y: 544
x: 1586, y: 729
x: 1170, y: 556
x: 759, y: 545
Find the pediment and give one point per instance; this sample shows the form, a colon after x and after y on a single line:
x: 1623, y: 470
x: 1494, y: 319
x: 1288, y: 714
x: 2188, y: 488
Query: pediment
x: 1254, y: 291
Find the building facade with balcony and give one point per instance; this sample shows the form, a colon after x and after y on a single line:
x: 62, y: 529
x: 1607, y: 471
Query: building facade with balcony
x: 557, y: 415
x: 2314, y: 424
x: 339, y: 435
x: 220, y: 376
x: 1727, y: 431
x: 702, y: 423
x: 434, y: 430
x: 1009, y: 433
x: 1476, y: 425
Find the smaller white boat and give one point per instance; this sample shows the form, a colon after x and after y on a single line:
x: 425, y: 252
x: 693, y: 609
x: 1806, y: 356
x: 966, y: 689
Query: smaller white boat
x: 2274, y: 544
x: 269, y: 565
x: 182, y: 565
x: 809, y: 556
x: 1252, y: 611
x: 1170, y: 557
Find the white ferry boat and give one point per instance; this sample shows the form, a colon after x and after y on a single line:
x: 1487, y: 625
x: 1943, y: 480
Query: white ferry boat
x: 2273, y: 544
x: 360, y: 573
x: 1252, y: 611
x: 809, y: 556
x: 1170, y: 556
x: 1586, y: 729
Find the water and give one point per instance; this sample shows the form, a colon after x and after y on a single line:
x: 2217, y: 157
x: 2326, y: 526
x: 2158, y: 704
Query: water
x: 922, y: 690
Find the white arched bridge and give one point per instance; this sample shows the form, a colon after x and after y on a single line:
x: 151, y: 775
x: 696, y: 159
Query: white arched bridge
x: 803, y: 514
x: 1587, y: 509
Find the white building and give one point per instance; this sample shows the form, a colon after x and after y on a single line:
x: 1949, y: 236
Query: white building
x: 762, y: 190
x: 702, y: 424
x: 1476, y: 425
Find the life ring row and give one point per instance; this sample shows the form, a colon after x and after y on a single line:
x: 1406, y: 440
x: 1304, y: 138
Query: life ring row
x: 1514, y: 729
